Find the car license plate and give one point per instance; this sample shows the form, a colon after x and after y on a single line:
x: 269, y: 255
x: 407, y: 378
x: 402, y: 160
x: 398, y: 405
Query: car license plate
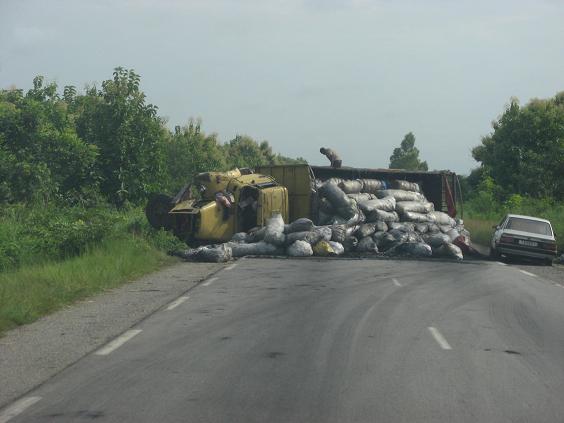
x: 528, y: 243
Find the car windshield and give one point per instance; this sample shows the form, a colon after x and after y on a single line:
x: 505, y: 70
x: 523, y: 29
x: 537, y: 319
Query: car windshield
x: 528, y: 225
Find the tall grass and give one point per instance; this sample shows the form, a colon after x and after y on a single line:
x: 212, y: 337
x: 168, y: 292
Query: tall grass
x: 33, y: 291
x: 51, y: 256
x: 480, y: 229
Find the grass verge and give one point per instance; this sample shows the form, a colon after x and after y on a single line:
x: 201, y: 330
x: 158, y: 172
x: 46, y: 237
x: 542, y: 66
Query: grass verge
x: 480, y: 230
x: 33, y: 291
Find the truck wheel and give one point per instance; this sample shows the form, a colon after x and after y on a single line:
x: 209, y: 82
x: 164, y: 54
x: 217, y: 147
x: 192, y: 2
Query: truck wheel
x: 157, y: 210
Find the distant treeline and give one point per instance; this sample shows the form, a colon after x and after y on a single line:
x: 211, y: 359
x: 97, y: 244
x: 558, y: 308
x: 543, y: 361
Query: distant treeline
x: 105, y: 143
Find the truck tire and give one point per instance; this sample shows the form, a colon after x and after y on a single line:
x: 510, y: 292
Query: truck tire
x: 157, y: 210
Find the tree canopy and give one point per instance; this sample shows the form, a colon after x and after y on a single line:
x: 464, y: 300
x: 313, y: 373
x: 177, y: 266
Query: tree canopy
x: 105, y: 142
x: 524, y: 154
x: 407, y: 155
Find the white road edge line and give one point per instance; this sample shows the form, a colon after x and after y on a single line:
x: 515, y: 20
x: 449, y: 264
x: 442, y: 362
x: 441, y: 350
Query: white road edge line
x: 209, y: 282
x: 501, y: 263
x: 176, y: 303
x: 396, y: 283
x: 527, y: 273
x: 118, y: 342
x: 17, y: 408
x: 231, y: 266
x: 439, y: 338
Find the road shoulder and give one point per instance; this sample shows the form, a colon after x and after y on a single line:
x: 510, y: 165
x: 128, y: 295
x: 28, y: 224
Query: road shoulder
x: 31, y: 354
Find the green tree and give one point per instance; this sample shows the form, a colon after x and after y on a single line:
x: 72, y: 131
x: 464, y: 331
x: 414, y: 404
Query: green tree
x: 41, y: 155
x: 243, y: 151
x: 128, y: 133
x: 190, y: 151
x: 524, y: 153
x: 407, y: 155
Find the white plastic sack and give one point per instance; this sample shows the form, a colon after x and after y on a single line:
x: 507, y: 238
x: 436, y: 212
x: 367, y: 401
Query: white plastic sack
x: 445, y: 228
x: 401, y: 195
x: 366, y: 229
x: 414, y: 206
x: 338, y: 233
x: 403, y: 226
x: 386, y: 204
x: 432, y: 228
x: 422, y: 228
x: 441, y: 218
x: 453, y: 234
x: 274, y: 233
x: 325, y: 232
x: 436, y: 240
x: 310, y: 237
x: 372, y: 185
x: 416, y: 217
x: 406, y: 185
x: 351, y: 186
x: 417, y: 249
x: 210, y: 253
x: 335, y: 195
x: 299, y: 249
x: 449, y: 250
x: 361, y: 196
x: 382, y: 215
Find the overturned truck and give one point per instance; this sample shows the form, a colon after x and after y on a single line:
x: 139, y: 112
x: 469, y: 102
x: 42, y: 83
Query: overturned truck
x: 362, y: 210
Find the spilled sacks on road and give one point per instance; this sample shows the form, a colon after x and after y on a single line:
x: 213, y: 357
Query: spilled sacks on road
x: 361, y: 216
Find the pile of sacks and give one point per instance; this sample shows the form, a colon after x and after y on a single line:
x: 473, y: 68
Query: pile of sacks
x: 362, y: 215
x: 390, y: 218
x: 301, y: 238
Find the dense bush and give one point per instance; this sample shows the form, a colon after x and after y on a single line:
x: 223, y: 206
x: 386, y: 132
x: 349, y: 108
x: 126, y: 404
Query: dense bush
x: 30, y: 235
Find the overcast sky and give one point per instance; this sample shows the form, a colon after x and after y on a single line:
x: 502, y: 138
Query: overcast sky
x: 355, y: 75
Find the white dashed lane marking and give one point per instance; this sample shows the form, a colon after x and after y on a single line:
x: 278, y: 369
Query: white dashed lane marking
x: 439, y: 338
x: 176, y: 303
x: 231, y: 266
x: 501, y: 263
x: 396, y: 283
x: 209, y: 282
x: 118, y: 342
x: 17, y: 408
x: 527, y: 273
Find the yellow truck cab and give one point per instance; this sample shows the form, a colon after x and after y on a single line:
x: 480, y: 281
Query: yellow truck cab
x: 228, y: 202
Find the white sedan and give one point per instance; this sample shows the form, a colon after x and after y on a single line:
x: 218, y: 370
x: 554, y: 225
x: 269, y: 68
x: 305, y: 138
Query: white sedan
x: 524, y: 236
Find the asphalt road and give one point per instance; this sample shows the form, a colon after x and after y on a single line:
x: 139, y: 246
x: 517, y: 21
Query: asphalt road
x: 329, y: 341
